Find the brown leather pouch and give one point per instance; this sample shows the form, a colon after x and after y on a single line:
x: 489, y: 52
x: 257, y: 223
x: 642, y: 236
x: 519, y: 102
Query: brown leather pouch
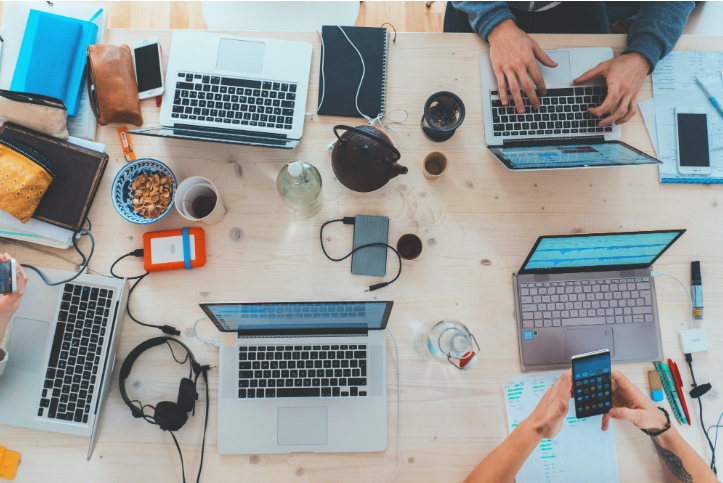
x: 112, y: 85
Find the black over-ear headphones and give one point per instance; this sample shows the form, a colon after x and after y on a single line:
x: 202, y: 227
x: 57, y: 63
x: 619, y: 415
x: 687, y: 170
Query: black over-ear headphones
x: 168, y: 415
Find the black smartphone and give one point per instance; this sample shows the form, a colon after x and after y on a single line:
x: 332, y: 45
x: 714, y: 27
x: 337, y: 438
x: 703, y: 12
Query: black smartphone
x: 8, y: 276
x: 591, y: 383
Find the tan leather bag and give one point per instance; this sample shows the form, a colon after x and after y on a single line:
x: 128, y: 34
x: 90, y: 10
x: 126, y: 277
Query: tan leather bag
x: 112, y: 85
x: 43, y: 114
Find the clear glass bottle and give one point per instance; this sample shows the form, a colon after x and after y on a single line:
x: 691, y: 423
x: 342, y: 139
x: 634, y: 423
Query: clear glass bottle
x: 299, y: 185
x: 447, y: 342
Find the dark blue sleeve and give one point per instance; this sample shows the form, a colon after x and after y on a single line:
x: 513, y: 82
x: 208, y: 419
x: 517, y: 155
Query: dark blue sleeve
x: 657, y: 28
x: 484, y: 16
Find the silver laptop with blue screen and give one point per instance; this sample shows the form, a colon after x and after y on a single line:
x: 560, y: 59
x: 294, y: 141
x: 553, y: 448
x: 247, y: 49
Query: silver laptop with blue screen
x: 585, y: 292
x: 301, y: 376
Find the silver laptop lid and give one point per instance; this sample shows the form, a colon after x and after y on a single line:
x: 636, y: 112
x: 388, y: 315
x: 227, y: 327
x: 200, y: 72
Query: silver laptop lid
x: 573, y: 153
x: 585, y: 252
x: 299, y: 318
x: 216, y: 135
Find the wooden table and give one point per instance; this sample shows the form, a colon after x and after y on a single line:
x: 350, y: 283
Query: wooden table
x: 477, y: 222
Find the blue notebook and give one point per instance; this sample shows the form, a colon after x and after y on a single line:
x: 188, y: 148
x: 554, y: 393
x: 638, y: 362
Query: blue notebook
x: 53, y: 56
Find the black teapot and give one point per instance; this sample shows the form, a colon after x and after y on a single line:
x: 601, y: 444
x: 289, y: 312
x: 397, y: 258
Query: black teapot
x: 364, y: 158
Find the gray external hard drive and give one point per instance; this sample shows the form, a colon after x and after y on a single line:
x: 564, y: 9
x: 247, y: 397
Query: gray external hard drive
x: 372, y: 260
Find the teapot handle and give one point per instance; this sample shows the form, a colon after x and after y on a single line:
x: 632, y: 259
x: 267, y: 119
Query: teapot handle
x: 369, y: 135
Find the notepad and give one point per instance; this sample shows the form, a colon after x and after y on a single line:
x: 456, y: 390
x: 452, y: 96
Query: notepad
x: 581, y: 452
x: 343, y: 71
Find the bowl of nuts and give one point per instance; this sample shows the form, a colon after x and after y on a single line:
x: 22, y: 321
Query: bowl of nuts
x: 143, y: 191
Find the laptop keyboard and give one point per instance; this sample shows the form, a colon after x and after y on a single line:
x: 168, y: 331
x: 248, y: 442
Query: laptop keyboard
x: 562, y: 111
x: 302, y: 371
x: 75, y: 354
x: 235, y: 101
x: 586, y: 302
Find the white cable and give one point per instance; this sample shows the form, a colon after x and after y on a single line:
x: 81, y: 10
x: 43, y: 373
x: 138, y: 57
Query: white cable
x: 399, y: 409
x: 656, y: 273
x: 323, y: 79
x: 215, y: 342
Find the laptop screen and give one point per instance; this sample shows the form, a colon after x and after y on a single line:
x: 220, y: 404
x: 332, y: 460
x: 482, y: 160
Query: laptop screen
x: 580, y: 155
x: 612, y: 251
x: 299, y: 317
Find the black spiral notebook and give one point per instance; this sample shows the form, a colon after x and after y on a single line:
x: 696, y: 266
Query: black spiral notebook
x: 343, y: 71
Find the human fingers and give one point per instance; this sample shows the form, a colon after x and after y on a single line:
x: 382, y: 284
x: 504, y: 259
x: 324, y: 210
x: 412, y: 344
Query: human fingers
x: 528, y: 86
x: 542, y: 56
x: 621, y: 111
x: 501, y: 85
x: 632, y: 109
x: 4, y: 257
x: 605, y: 422
x: 538, y: 80
x: 515, y: 89
x: 592, y: 73
x: 22, y: 280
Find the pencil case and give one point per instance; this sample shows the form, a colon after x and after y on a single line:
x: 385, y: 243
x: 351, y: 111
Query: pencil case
x: 44, y: 114
x: 112, y: 85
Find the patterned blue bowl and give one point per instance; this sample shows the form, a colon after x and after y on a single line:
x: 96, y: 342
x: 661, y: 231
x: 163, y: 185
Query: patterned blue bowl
x: 122, y: 193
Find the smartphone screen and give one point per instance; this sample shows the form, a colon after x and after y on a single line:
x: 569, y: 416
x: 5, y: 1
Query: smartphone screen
x: 591, y: 383
x: 6, y: 276
x: 693, y: 140
x: 148, y: 68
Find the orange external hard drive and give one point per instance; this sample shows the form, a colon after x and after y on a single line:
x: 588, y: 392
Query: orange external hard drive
x: 174, y: 249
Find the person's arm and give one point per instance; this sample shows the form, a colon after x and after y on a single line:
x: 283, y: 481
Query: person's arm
x: 657, y: 28
x: 484, y: 16
x: 679, y: 461
x: 503, y: 464
x: 9, y: 303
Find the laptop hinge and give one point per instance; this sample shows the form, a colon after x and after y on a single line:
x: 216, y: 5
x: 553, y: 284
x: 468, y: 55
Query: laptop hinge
x: 220, y: 130
x: 536, y: 142
x: 247, y: 335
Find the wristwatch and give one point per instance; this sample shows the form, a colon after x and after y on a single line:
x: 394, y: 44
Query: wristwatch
x: 667, y: 425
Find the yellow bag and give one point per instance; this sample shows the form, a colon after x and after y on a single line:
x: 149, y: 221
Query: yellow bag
x: 25, y: 175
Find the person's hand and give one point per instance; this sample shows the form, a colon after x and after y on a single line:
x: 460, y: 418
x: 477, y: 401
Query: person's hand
x: 624, y: 76
x: 9, y: 303
x: 513, y: 55
x: 630, y: 404
x: 546, y: 420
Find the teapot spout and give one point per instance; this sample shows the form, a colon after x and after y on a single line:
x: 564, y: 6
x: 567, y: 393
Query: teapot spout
x: 397, y: 169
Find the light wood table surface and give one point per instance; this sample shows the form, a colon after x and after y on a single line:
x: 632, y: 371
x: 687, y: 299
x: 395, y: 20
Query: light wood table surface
x: 477, y: 222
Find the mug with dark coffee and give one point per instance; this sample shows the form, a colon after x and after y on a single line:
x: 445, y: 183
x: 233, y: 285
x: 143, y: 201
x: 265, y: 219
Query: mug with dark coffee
x: 409, y: 246
x: 198, y: 200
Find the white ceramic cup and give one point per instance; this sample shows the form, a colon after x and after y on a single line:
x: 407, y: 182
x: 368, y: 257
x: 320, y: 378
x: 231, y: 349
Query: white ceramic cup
x: 192, y: 188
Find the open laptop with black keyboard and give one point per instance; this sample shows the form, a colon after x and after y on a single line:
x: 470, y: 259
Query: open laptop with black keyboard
x: 301, y: 376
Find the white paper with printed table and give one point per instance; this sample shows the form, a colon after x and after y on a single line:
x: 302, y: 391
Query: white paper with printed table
x: 15, y: 17
x: 674, y: 85
x: 568, y: 457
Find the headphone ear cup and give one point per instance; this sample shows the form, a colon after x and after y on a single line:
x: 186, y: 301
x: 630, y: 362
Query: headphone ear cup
x: 169, y: 416
x: 187, y: 395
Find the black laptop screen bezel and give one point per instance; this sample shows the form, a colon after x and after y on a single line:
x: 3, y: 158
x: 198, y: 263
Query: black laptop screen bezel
x: 595, y: 268
x: 554, y: 142
x: 296, y: 332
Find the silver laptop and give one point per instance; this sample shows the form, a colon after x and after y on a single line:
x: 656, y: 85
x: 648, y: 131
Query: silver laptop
x: 585, y: 292
x: 561, y: 133
x: 302, y: 376
x: 235, y: 90
x: 62, y: 349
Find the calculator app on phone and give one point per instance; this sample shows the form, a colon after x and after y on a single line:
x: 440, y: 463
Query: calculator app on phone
x: 591, y: 384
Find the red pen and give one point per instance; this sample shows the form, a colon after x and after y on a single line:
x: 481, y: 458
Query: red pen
x: 679, y: 387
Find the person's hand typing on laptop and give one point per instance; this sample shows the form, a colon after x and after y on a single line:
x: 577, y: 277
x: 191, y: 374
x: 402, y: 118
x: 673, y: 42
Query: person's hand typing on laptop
x: 679, y: 461
x: 514, y: 57
x: 624, y: 76
x: 9, y: 303
x: 545, y: 422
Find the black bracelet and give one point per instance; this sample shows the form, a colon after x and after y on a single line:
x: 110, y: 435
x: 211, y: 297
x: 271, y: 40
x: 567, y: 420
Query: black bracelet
x: 667, y: 425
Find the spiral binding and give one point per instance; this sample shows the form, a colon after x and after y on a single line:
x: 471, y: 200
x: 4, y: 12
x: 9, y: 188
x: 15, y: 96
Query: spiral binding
x: 384, y: 70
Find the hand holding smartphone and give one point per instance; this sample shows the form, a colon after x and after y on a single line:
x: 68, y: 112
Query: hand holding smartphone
x: 149, y: 68
x: 591, y: 386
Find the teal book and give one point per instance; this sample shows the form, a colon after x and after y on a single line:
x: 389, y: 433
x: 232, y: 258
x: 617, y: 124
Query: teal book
x: 52, y: 57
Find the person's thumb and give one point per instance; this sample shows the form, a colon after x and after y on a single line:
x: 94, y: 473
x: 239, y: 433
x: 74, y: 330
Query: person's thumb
x: 542, y: 56
x: 626, y: 414
x: 591, y: 74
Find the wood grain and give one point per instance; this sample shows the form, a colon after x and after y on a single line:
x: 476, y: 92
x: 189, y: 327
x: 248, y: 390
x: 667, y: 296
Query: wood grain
x: 477, y: 222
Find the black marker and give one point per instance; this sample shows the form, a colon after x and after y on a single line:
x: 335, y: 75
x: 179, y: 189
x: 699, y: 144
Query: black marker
x: 697, y: 290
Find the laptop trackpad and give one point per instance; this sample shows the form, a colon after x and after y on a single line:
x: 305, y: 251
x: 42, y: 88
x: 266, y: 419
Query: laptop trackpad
x: 588, y: 339
x: 299, y: 426
x: 27, y: 345
x: 559, y: 75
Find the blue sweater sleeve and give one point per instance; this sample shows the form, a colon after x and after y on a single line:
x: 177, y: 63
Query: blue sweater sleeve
x: 484, y: 16
x: 657, y: 28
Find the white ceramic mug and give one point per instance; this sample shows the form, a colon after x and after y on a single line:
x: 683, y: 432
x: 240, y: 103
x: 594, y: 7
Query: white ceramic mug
x: 192, y: 188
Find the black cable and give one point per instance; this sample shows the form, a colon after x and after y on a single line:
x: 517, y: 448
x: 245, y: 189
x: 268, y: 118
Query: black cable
x: 83, y: 264
x: 204, y: 372
x: 183, y: 470
x: 350, y: 221
x: 689, y: 358
x: 167, y: 329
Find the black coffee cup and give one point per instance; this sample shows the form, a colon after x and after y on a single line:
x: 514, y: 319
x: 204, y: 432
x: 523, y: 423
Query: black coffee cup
x: 409, y: 246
